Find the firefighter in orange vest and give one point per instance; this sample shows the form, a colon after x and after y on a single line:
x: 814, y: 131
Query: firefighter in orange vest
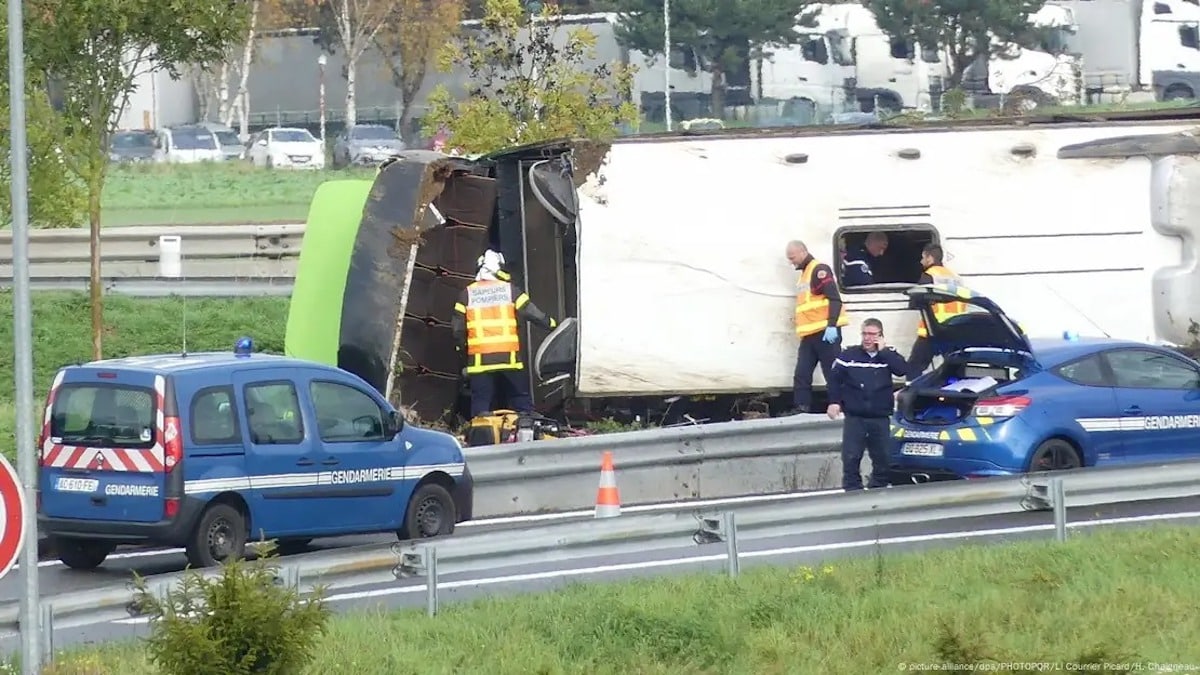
x: 819, y: 317
x: 485, y: 320
x: 935, y: 273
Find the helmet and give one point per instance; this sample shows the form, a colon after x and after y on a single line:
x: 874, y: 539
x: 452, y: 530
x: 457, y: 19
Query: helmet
x: 489, y: 265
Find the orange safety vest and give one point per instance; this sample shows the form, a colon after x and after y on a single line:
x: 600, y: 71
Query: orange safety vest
x: 491, y: 316
x: 942, y: 311
x: 812, y: 310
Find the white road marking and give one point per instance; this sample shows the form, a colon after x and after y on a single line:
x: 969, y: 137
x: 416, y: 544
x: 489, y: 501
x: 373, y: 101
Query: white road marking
x: 694, y: 560
x: 529, y: 518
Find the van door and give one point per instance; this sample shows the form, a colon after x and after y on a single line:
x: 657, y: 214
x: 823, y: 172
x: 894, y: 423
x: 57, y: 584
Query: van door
x: 361, y: 466
x: 104, y: 445
x: 281, y: 458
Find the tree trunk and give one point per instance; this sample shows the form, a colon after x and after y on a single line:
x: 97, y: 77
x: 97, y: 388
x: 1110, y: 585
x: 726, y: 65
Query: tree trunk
x: 97, y: 297
x: 247, y: 57
x: 223, y: 101
x: 718, y: 93
x: 351, y: 67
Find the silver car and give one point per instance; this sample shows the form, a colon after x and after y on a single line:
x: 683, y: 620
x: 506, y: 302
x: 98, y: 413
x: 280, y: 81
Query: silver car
x: 365, y: 145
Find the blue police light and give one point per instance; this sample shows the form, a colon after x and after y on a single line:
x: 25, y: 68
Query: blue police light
x: 243, y: 347
x: 1070, y: 335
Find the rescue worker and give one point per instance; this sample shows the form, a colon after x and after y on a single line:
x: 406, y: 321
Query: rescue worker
x: 861, y: 388
x: 819, y: 316
x: 936, y: 272
x: 860, y: 263
x: 485, y: 320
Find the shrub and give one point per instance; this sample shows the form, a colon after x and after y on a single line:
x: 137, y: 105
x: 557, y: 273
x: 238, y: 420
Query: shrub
x: 241, y: 621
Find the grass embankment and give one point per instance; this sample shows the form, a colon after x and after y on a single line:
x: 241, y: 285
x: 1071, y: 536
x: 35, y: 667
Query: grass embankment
x: 1112, y: 597
x: 230, y: 192
x: 62, y: 334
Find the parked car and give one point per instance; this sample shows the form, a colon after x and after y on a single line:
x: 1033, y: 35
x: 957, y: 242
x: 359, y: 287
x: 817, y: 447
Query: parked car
x: 286, y: 147
x: 187, y: 144
x: 205, y: 450
x: 231, y: 145
x: 365, y: 144
x: 132, y: 145
x: 1002, y: 403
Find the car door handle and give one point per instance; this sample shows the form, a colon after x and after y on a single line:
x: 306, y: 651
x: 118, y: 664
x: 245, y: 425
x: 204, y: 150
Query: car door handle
x: 331, y: 461
x: 304, y: 461
x: 1132, y: 410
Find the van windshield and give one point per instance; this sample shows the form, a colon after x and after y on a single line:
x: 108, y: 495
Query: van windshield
x: 103, y: 416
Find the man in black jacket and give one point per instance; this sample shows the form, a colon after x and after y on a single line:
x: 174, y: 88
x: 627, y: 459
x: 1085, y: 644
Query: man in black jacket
x: 860, y: 385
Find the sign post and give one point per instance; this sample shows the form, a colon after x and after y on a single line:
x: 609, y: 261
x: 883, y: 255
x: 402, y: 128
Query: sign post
x: 22, y: 493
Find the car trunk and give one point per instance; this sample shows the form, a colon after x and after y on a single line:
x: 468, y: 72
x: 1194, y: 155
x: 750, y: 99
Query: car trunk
x: 952, y: 390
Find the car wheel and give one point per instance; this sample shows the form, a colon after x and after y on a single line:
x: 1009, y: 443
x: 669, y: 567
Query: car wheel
x: 430, y: 513
x: 1055, y: 455
x: 81, y: 554
x: 219, y: 536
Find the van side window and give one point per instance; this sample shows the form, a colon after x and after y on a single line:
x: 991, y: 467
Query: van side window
x: 871, y: 250
x: 273, y: 413
x: 213, y: 418
x: 345, y: 414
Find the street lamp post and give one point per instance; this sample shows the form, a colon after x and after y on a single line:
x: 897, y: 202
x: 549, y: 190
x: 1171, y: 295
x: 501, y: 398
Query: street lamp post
x: 321, y: 95
x: 667, y: 59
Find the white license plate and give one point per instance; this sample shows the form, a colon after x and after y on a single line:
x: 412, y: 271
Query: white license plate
x: 76, y: 484
x: 922, y: 449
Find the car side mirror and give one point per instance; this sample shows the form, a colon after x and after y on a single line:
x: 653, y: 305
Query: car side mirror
x: 395, y: 423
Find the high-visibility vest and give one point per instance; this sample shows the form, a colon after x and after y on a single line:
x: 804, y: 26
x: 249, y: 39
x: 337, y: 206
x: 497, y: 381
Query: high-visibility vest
x: 812, y: 310
x: 942, y: 311
x: 493, y: 342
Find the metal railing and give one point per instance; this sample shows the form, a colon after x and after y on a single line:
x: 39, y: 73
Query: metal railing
x: 678, y: 528
x: 210, y: 259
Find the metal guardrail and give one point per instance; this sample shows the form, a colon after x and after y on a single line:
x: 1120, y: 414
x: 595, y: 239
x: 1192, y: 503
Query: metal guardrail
x: 704, y: 461
x: 680, y: 528
x: 214, y: 259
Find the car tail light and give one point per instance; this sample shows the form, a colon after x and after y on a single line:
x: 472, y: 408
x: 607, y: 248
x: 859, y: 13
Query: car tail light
x: 172, y: 444
x: 1001, y: 406
x: 170, y: 508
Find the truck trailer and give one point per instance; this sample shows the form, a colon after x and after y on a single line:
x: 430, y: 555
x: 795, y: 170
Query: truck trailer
x: 662, y: 256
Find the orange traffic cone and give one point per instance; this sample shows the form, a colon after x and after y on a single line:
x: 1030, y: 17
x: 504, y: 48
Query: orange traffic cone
x: 608, y: 501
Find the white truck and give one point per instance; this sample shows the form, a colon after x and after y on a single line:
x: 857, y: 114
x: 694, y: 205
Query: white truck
x: 847, y: 62
x: 1129, y: 47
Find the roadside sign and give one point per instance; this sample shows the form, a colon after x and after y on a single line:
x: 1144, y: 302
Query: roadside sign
x: 12, y: 516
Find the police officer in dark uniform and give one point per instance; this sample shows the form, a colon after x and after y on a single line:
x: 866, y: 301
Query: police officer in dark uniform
x: 819, y: 316
x: 859, y: 266
x: 861, y: 387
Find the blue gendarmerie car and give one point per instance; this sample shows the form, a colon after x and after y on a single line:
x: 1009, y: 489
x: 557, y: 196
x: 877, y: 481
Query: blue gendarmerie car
x: 1003, y: 404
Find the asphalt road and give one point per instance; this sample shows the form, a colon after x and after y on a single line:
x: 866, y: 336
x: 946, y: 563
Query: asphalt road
x: 810, y: 549
x: 54, y: 578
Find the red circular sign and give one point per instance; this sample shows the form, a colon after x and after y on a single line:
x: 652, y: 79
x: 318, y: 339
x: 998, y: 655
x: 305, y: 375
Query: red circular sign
x: 12, y: 519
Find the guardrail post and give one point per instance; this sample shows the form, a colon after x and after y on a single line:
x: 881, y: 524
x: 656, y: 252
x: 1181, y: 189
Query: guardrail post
x: 431, y: 580
x: 729, y: 524
x: 46, y: 619
x: 1058, y: 497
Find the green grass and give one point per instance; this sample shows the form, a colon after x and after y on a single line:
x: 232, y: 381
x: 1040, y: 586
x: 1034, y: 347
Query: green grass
x: 62, y: 335
x: 231, y: 192
x: 1118, y: 597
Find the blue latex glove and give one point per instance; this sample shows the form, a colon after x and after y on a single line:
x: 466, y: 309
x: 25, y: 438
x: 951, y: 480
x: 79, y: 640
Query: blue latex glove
x: 831, y: 334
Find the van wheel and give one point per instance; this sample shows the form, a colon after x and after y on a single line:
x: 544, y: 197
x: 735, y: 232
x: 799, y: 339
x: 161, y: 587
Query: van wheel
x: 430, y: 513
x: 220, y: 536
x: 1055, y: 455
x: 81, y: 554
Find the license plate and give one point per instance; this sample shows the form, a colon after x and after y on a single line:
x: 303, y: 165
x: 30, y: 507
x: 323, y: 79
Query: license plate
x: 921, y: 449
x: 65, y: 484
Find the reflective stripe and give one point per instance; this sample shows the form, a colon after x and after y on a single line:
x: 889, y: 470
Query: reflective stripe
x: 812, y: 310
x: 491, y: 319
x: 943, y: 311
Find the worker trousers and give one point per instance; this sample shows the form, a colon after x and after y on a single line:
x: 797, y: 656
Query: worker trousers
x: 813, y: 351
x: 869, y: 434
x: 920, y: 358
x: 514, y: 384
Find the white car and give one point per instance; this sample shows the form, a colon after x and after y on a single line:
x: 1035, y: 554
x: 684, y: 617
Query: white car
x: 286, y: 148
